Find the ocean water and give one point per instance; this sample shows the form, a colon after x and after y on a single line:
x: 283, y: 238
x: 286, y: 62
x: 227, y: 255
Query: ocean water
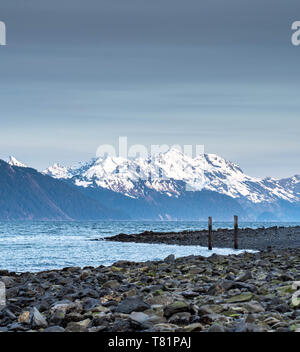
x: 44, y: 245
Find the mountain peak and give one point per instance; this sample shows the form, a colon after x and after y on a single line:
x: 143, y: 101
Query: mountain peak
x: 172, y: 172
x: 14, y: 162
x: 57, y: 171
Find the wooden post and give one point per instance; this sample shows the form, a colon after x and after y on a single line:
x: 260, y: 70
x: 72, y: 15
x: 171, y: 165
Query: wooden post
x: 210, y: 233
x: 236, y: 230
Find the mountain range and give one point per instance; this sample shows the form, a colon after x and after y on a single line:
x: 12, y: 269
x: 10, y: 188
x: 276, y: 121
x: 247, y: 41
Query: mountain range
x: 165, y: 186
x: 26, y: 194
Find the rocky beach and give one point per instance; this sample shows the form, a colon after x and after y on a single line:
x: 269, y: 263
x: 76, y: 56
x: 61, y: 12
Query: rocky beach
x: 248, y: 238
x: 249, y: 292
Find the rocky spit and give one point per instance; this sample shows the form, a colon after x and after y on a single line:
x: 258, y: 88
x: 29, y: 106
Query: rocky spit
x: 250, y: 292
x: 261, y: 238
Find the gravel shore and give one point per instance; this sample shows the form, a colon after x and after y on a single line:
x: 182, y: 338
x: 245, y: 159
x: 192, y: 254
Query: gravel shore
x: 237, y: 293
x: 259, y: 239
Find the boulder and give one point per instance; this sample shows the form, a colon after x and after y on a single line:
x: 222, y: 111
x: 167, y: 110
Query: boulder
x: 247, y: 275
x: 54, y: 329
x: 132, y: 304
x: 176, y: 307
x: 37, y: 319
x: 80, y: 326
x: 170, y: 259
x: 244, y: 297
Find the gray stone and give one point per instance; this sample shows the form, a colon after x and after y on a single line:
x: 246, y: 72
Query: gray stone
x: 247, y: 327
x: 132, y: 304
x: 54, y: 329
x: 80, y: 326
x: 176, y: 307
x: 113, y: 284
x: 254, y: 307
x: 216, y: 328
x: 37, y: 320
x: 244, y: 277
x: 170, y: 259
x: 189, y: 294
x: 182, y: 318
x: 139, y: 317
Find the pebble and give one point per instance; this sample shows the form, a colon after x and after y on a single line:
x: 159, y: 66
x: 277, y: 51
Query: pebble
x: 249, y: 292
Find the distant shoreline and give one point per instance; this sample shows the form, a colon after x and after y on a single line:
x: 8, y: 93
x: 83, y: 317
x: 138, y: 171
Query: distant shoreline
x: 259, y: 239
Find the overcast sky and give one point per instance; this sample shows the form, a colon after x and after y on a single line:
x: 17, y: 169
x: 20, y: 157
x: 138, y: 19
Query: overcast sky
x: 78, y: 74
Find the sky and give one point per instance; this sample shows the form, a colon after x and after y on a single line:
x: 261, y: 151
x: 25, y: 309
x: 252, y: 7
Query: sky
x: 78, y: 74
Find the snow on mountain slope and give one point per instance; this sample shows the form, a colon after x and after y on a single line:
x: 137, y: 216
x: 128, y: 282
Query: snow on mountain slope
x: 58, y: 171
x: 174, y: 173
x: 14, y: 162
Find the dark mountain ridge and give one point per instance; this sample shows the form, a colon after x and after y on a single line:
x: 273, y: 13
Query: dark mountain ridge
x: 26, y: 194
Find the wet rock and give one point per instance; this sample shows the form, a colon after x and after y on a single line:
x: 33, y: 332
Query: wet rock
x: 271, y: 321
x: 250, y: 318
x: 54, y: 329
x: 216, y: 289
x: 209, y: 318
x: 90, y: 303
x: 8, y: 313
x: 247, y: 327
x: 139, y: 317
x: 37, y: 319
x: 244, y: 276
x: 296, y: 285
x: 132, y: 304
x: 286, y: 277
x: 170, y: 259
x: 216, y: 328
x: 176, y: 307
x: 182, y: 318
x: 84, y: 275
x: 295, y: 301
x: 24, y: 318
x: 164, y: 327
x: 244, y: 297
x: 8, y: 281
x: 120, y: 326
x: 58, y: 316
x: 65, y: 306
x: 113, y: 284
x: 254, y: 307
x: 17, y: 327
x: 193, y: 327
x: 196, y: 271
x: 81, y: 326
x: 205, y: 310
x: 189, y: 294
x: 282, y: 308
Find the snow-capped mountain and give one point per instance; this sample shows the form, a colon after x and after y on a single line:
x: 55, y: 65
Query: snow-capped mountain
x: 173, y: 173
x: 14, y: 162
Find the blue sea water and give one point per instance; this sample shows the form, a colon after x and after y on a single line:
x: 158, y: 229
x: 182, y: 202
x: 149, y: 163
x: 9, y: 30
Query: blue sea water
x: 44, y: 245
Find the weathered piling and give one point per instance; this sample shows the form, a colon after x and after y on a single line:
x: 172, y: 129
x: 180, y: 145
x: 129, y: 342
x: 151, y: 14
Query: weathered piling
x: 210, y: 233
x: 236, y: 231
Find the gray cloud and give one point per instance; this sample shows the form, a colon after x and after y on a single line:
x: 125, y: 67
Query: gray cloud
x: 221, y: 73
